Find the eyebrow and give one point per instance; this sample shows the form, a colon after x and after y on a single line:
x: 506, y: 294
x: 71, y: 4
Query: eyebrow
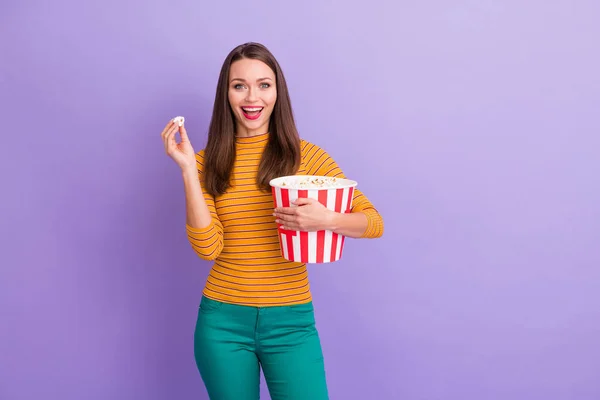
x: 258, y: 80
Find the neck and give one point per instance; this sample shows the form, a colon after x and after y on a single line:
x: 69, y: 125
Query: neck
x: 242, y: 131
x: 252, y: 139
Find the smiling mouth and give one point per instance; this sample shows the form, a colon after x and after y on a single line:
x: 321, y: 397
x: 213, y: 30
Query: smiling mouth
x: 252, y: 113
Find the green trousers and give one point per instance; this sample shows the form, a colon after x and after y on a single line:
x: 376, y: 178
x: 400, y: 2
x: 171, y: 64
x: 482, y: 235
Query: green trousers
x: 232, y: 343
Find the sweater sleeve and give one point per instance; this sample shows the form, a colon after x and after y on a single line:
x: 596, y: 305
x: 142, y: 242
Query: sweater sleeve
x: 318, y: 162
x: 207, y: 242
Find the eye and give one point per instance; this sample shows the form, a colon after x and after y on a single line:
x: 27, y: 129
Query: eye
x: 265, y: 85
x: 238, y: 86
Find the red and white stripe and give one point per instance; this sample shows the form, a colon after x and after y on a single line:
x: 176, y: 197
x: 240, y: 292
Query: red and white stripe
x: 313, y: 247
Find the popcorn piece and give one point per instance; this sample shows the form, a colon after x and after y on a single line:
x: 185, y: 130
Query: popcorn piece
x: 312, y: 183
x: 179, y: 120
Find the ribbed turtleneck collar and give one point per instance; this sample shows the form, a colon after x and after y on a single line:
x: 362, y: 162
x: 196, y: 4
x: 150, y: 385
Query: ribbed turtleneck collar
x: 256, y: 139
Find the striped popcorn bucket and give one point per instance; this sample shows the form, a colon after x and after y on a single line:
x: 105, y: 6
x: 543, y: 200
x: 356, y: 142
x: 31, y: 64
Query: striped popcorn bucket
x: 335, y: 194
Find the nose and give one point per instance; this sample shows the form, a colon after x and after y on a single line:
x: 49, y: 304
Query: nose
x: 251, y: 95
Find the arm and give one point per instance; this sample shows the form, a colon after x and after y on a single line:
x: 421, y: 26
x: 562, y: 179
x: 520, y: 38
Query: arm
x: 352, y: 225
x: 364, y: 221
x: 197, y: 213
x: 203, y: 227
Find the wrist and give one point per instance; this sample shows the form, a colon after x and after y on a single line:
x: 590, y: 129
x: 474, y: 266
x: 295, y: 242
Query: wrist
x: 189, y: 172
x: 333, y: 221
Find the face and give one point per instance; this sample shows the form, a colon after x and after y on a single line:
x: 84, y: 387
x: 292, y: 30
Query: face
x: 252, y: 96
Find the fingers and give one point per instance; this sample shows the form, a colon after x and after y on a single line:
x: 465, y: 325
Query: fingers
x: 164, y: 132
x: 285, y: 217
x: 286, y: 210
x: 183, y: 133
x: 169, y: 137
x: 291, y: 227
x: 302, y: 201
x: 169, y: 132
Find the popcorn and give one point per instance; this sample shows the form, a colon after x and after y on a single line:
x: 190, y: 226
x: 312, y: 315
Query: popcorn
x: 312, y: 182
x: 336, y: 194
x: 179, y: 120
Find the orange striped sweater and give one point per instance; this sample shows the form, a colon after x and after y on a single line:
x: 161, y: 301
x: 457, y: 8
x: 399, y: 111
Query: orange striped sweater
x: 242, y: 238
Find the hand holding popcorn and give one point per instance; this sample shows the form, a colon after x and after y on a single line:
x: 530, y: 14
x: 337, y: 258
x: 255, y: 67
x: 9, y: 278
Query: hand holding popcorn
x: 183, y: 152
x: 307, y: 215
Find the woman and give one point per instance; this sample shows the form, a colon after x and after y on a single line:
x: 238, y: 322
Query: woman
x: 256, y: 309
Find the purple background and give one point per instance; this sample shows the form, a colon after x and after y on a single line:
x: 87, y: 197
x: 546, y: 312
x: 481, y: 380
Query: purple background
x: 472, y: 125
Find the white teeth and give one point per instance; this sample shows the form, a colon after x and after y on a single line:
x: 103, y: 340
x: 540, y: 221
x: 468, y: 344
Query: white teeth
x: 251, y: 109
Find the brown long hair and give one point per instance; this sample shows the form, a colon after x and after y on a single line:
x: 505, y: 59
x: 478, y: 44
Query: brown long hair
x: 282, y: 152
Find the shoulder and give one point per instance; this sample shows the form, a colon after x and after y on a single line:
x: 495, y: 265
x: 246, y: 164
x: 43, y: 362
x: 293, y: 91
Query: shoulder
x: 310, y: 148
x: 312, y: 152
x: 317, y: 161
